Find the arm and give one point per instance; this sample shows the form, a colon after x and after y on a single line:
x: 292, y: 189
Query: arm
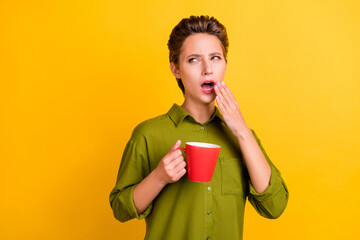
x: 272, y: 202
x: 258, y: 168
x: 170, y: 169
x: 136, y: 188
x: 268, y: 191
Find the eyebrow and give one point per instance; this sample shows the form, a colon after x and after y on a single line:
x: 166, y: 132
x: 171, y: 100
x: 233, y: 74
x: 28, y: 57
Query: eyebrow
x: 199, y: 55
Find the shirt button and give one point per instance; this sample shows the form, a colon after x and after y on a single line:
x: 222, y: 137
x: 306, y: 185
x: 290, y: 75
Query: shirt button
x: 202, y: 128
x: 209, y: 213
x: 209, y: 189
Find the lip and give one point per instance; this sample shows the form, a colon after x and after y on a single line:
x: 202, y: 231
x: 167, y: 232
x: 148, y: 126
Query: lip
x: 208, y: 81
x: 208, y: 91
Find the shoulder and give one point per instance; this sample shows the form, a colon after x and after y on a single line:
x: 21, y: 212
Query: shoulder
x: 150, y: 126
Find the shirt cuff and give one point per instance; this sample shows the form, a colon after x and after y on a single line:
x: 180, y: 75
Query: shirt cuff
x: 132, y: 207
x: 275, y: 185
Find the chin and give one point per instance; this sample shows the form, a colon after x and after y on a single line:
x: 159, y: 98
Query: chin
x: 208, y: 99
x: 201, y: 98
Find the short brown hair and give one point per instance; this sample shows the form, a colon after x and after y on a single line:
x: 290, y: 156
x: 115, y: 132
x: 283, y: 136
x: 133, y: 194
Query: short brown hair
x: 189, y: 26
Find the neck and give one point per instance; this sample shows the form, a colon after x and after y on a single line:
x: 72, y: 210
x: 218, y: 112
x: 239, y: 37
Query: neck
x: 200, y: 112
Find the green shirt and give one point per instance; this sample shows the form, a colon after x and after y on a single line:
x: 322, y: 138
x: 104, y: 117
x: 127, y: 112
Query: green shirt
x: 192, y: 210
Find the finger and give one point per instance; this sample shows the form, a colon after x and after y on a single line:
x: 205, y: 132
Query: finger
x: 220, y: 104
x: 229, y: 97
x: 176, y: 146
x: 222, y: 89
x: 178, y: 175
x: 223, y: 94
x: 179, y: 166
x: 227, y: 90
x: 232, y: 101
x: 219, y: 87
x: 218, y: 92
x: 228, y: 100
x: 175, y: 161
x: 171, y: 156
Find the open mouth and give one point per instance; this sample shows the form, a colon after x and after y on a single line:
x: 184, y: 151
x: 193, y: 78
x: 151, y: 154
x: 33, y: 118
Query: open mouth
x: 207, y: 85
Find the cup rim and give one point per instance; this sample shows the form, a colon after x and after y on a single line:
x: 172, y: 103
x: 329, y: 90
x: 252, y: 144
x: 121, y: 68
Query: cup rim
x: 203, y: 144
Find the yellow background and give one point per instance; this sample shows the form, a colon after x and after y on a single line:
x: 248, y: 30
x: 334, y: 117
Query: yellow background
x: 78, y: 76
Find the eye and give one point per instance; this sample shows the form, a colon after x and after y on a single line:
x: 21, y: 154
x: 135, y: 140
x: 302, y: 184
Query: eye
x: 193, y: 60
x: 216, y: 57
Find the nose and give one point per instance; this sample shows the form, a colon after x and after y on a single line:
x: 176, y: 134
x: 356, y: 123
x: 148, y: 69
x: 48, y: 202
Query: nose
x: 207, y: 68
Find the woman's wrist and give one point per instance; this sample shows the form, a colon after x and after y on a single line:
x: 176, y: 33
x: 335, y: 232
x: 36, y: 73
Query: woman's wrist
x: 157, y: 178
x: 145, y: 192
x: 243, y: 133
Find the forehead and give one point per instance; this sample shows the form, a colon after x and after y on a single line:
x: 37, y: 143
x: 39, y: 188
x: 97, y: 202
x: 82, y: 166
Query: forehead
x: 201, y: 43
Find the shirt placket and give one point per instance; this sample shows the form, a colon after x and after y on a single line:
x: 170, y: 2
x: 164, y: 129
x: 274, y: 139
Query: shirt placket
x: 209, y: 213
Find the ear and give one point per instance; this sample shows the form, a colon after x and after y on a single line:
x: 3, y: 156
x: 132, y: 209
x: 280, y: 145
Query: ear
x: 175, y: 71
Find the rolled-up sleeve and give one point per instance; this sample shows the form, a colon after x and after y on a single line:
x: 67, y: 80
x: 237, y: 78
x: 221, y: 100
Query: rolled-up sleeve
x: 272, y: 202
x: 133, y: 169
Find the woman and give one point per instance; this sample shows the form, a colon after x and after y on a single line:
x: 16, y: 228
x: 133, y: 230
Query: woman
x: 151, y: 182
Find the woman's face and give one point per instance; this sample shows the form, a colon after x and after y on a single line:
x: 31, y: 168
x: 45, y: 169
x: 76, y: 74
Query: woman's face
x: 201, y: 65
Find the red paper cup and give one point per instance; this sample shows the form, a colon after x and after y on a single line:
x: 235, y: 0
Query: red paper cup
x: 201, y: 160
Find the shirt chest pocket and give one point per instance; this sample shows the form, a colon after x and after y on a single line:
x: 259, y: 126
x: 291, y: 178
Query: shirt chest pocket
x: 233, y: 176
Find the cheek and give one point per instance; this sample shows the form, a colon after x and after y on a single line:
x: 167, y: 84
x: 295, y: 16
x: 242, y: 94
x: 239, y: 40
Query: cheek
x: 221, y: 69
x: 190, y: 71
x: 224, y: 70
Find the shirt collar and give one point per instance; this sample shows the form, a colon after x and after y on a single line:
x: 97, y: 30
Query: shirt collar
x: 177, y: 114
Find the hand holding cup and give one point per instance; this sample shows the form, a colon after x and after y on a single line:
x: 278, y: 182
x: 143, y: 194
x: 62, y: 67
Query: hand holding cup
x: 172, y: 166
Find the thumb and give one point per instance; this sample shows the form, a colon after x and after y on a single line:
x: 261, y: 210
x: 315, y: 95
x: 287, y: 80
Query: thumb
x: 176, y: 146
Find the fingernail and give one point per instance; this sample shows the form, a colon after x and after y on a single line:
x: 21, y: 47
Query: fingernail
x: 223, y: 83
